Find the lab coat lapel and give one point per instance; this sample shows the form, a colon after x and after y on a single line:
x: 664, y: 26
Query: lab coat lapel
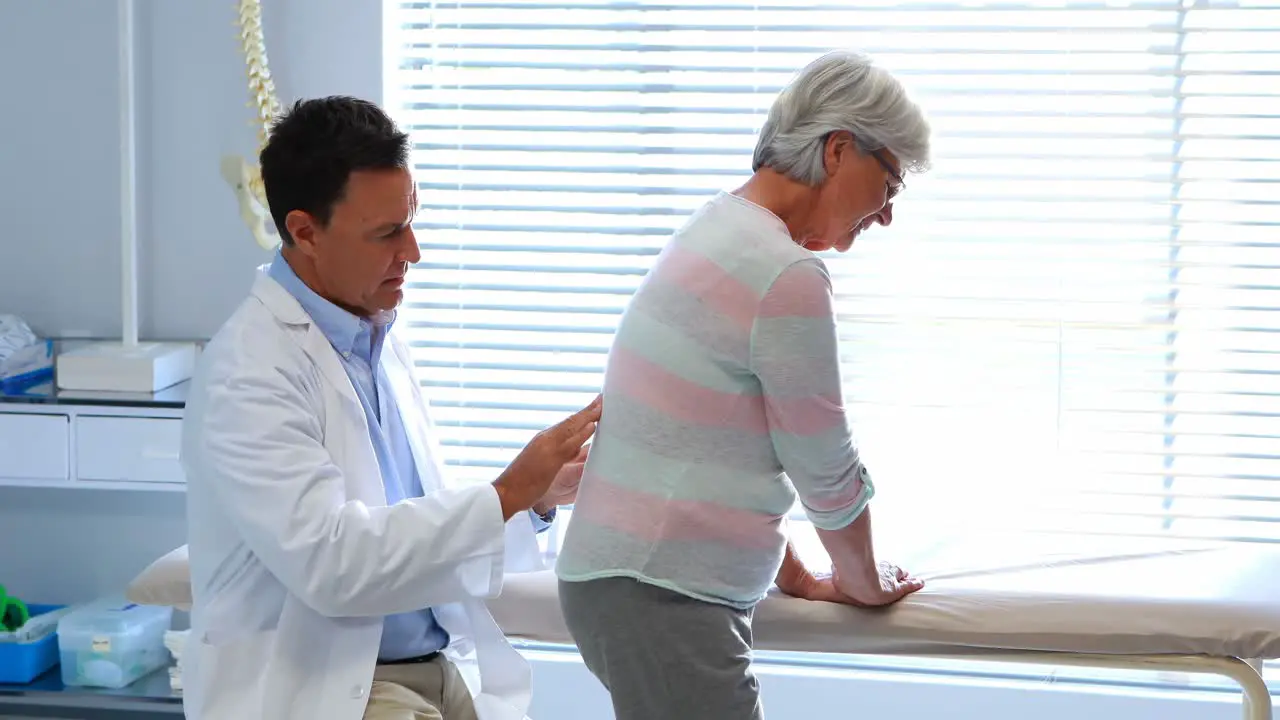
x: 355, y: 426
x: 321, y: 352
x: 367, y: 487
x: 289, y: 311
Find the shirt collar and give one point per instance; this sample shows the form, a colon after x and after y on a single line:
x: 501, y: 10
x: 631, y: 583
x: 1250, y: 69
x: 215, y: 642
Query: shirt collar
x: 339, y: 326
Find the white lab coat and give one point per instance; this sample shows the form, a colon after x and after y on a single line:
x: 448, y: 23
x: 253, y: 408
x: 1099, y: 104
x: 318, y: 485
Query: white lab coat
x: 295, y: 556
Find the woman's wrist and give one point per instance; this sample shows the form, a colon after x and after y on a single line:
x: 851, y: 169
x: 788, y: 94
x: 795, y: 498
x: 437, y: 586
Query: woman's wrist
x: 853, y: 552
x: 793, y: 577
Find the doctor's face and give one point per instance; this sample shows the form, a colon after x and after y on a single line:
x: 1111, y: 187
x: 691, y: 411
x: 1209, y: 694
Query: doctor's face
x: 361, y: 257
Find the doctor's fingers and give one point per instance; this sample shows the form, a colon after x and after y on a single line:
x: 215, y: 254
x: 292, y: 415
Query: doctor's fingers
x: 587, y: 415
x: 573, y: 444
x: 571, y: 426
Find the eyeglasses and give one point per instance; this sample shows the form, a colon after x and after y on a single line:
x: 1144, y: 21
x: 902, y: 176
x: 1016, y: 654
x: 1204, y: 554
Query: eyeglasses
x: 891, y: 188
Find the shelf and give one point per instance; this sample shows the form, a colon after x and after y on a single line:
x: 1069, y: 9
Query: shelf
x: 174, y: 397
x: 149, y: 694
x: 48, y: 393
x: 92, y: 485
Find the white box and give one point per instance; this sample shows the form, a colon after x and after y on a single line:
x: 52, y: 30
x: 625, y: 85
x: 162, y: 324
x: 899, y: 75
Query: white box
x: 112, y: 642
x: 146, y: 367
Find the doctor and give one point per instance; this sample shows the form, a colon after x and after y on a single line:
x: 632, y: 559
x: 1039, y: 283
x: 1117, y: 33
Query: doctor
x: 334, y: 576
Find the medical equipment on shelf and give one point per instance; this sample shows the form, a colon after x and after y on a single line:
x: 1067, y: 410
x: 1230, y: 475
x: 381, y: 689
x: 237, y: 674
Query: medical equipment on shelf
x: 14, y: 336
x: 126, y: 365
x: 13, y: 612
x: 112, y: 642
x: 25, y: 359
x: 30, y: 651
x: 37, y: 626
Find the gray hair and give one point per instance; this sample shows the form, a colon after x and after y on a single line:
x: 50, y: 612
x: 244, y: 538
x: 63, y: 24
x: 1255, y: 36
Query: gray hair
x: 841, y: 90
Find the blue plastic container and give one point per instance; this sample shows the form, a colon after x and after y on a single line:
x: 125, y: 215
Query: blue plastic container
x: 20, y: 663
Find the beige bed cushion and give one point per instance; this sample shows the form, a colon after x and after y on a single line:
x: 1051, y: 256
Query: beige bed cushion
x: 1219, y: 602
x: 167, y: 581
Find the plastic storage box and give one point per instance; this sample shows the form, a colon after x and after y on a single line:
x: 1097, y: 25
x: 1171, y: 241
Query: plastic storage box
x: 112, y: 642
x: 22, y: 662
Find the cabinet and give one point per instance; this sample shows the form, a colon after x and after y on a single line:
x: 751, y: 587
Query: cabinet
x: 65, y: 439
x: 128, y: 449
x: 34, y: 446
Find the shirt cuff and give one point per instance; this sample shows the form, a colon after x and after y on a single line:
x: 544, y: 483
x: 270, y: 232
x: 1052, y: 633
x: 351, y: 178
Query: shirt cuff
x: 542, y: 522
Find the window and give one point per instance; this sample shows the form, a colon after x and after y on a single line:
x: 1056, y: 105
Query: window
x: 1072, y: 324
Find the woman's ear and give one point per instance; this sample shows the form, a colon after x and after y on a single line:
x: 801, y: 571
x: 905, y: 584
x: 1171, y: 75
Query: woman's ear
x: 839, y: 148
x: 831, y: 153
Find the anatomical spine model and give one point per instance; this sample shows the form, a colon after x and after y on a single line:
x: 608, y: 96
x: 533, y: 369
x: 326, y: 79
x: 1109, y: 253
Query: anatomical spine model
x: 245, y: 177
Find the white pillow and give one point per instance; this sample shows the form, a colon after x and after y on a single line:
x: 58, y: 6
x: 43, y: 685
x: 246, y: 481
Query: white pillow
x: 167, y: 581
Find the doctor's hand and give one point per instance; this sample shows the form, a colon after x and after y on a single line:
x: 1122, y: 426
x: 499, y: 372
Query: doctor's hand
x: 529, y: 477
x: 564, y: 489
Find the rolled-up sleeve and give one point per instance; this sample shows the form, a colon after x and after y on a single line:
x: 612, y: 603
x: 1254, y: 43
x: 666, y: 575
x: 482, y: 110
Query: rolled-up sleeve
x: 795, y: 356
x: 539, y: 524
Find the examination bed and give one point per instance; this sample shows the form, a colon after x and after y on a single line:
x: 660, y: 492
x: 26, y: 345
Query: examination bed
x: 1199, y: 609
x: 1212, y: 610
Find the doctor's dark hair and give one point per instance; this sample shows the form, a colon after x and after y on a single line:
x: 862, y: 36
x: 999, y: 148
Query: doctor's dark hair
x: 313, y: 148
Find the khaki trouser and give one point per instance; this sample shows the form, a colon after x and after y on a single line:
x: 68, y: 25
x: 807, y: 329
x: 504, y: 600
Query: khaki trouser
x: 431, y: 690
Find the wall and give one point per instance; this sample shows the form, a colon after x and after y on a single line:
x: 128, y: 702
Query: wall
x: 59, y: 175
x: 59, y: 215
x: 60, y: 170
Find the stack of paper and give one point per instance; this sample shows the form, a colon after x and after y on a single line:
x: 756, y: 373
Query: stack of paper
x: 175, y: 641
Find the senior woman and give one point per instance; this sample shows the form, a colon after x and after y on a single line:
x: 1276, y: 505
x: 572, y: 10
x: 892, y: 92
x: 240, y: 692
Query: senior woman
x: 723, y: 404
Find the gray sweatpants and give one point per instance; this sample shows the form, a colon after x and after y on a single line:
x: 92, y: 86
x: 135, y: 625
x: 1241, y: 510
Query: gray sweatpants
x: 663, y: 655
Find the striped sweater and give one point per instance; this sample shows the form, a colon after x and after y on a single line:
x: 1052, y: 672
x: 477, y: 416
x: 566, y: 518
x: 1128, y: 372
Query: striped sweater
x: 722, y: 404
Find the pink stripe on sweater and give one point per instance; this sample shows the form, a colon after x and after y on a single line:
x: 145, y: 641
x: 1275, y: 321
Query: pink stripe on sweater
x: 808, y: 415
x: 711, y: 284
x: 802, y: 290
x: 654, y: 386
x: 652, y: 519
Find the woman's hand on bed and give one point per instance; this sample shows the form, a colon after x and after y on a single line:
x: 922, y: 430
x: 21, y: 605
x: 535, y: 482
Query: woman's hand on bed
x: 818, y: 588
x: 823, y: 588
x: 894, y: 584
x: 891, y: 585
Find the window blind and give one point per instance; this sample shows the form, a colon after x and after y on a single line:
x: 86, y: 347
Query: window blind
x: 1071, y: 325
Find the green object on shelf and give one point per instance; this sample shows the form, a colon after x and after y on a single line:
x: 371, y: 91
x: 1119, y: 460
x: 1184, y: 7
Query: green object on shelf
x: 13, y: 612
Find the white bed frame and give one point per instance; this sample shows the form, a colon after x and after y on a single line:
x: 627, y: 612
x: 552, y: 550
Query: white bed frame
x: 1248, y: 674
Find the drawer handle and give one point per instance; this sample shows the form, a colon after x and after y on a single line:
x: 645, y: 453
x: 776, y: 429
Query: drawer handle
x: 149, y: 454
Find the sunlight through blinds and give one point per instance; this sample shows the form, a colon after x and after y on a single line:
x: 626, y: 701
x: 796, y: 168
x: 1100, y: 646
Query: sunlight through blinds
x: 1072, y: 324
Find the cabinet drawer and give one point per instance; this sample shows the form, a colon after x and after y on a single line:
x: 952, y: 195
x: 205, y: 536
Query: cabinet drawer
x: 34, y: 447
x: 128, y: 449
